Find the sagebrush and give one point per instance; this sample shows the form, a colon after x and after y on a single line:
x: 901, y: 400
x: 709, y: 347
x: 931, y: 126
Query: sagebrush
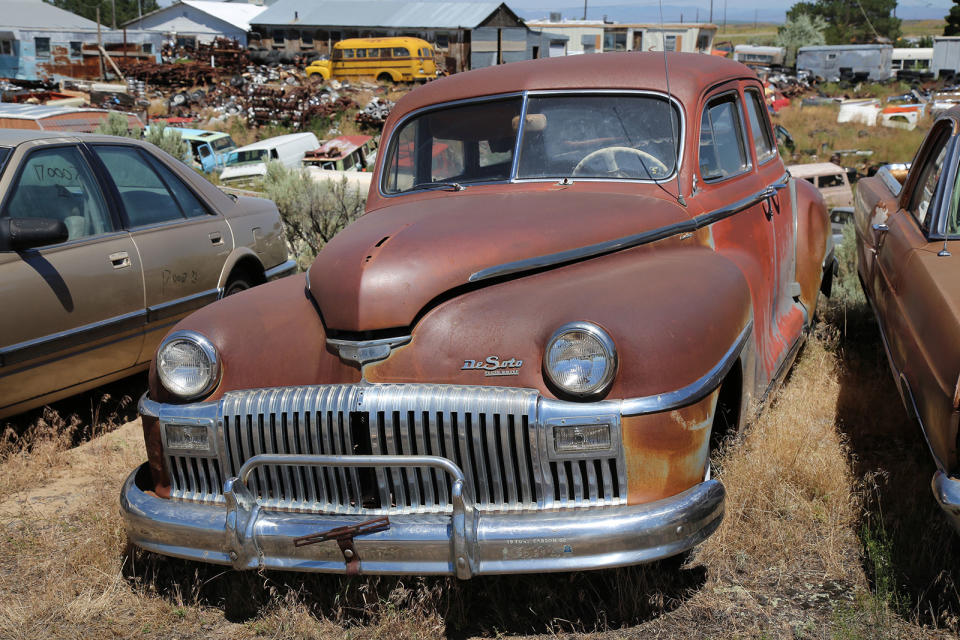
x: 312, y: 211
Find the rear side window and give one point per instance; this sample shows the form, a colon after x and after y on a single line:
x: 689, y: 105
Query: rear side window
x: 150, y: 192
x: 759, y: 126
x: 723, y: 152
x: 57, y: 183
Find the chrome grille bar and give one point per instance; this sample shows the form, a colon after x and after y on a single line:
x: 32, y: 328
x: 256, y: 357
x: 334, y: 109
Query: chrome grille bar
x: 494, y: 434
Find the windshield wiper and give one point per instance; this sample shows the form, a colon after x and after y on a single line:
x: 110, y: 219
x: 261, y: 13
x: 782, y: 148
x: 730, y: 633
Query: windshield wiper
x: 452, y: 186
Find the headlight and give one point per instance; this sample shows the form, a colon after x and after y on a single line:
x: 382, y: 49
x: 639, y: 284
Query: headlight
x: 187, y: 364
x: 580, y: 359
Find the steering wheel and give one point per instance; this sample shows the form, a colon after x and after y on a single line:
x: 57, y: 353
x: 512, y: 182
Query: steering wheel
x: 609, y: 154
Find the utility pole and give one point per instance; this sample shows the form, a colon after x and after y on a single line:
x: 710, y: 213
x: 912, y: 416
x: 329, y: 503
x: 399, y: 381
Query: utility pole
x: 99, y: 44
x: 140, y: 13
x: 584, y: 9
x: 711, y: 11
x: 724, y: 16
x: 113, y: 3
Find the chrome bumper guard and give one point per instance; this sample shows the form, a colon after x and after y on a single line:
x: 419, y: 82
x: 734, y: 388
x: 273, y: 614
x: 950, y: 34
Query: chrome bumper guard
x: 947, y: 492
x: 465, y: 543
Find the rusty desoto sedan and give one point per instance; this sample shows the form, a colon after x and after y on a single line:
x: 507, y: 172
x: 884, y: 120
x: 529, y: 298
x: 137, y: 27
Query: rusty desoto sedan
x: 907, y: 224
x: 105, y: 243
x: 567, y: 277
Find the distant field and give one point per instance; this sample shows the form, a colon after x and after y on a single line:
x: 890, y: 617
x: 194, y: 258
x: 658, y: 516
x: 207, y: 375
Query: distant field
x: 766, y: 32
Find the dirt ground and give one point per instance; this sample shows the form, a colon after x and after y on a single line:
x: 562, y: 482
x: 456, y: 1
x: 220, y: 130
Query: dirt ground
x: 830, y: 532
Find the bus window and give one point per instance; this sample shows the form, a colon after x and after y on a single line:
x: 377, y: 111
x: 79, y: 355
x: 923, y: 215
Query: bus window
x: 361, y: 53
x: 400, y: 52
x: 385, y: 53
x: 347, y: 53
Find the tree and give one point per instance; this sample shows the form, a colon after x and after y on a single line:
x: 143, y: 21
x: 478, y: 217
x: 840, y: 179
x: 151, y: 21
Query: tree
x: 853, y: 21
x: 803, y: 30
x: 126, y: 9
x: 953, y: 20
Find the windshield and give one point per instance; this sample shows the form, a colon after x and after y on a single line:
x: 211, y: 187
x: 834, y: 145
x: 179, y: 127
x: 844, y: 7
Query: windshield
x: 222, y: 144
x: 609, y: 136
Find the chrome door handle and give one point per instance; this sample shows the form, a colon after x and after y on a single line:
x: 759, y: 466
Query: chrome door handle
x: 120, y: 259
x: 216, y: 237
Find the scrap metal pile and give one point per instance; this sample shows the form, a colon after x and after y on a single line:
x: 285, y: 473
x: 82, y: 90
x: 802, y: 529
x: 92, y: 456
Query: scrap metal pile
x: 375, y: 113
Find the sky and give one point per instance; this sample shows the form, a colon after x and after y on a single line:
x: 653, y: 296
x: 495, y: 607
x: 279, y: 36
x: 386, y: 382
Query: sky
x: 648, y: 10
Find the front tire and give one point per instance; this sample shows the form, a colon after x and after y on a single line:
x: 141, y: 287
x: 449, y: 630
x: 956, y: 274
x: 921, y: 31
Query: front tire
x: 236, y: 285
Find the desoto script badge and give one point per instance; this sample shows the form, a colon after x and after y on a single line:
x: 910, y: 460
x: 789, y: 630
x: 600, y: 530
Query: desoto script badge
x: 493, y: 366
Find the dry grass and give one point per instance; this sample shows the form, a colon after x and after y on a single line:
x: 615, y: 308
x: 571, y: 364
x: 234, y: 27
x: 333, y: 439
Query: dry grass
x: 818, y: 135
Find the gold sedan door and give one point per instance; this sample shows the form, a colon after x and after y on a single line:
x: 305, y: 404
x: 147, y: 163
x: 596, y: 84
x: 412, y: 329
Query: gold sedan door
x: 73, y: 311
x: 182, y: 242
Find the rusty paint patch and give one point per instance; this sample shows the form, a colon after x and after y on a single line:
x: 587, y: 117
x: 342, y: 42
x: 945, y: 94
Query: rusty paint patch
x: 666, y: 453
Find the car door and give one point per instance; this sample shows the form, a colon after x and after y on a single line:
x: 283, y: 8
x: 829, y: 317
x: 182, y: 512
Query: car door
x: 182, y: 241
x: 727, y: 174
x: 916, y: 292
x: 72, y: 311
x: 890, y: 242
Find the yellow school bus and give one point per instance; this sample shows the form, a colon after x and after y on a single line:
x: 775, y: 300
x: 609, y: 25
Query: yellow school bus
x: 386, y: 59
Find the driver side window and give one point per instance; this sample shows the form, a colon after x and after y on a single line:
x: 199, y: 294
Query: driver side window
x: 57, y: 183
x: 723, y: 152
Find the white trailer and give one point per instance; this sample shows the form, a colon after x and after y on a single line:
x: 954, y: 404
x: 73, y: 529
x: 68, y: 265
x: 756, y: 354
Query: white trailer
x: 946, y: 56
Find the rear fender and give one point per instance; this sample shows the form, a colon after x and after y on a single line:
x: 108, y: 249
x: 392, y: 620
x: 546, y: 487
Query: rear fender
x: 813, y: 238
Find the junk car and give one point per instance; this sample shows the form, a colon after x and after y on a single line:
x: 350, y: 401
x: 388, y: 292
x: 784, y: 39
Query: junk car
x: 105, y: 243
x: 907, y: 226
x: 515, y: 360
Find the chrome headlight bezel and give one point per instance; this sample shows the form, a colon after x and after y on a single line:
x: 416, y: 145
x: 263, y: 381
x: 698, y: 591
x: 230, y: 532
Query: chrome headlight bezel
x: 205, y: 347
x: 607, y: 345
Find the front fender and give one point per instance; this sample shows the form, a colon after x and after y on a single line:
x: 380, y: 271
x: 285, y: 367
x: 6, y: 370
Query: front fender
x: 268, y: 336
x: 673, y: 312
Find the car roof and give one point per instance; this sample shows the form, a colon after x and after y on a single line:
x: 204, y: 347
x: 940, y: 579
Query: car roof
x: 14, y: 137
x: 339, y: 147
x: 690, y: 74
x: 814, y: 169
x: 272, y: 142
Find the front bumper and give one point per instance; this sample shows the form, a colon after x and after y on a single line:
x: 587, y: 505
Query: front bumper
x: 947, y: 492
x: 465, y: 543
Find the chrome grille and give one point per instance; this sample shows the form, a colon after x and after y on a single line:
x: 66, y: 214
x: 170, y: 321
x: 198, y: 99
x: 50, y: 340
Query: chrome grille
x: 491, y: 433
x: 195, y: 478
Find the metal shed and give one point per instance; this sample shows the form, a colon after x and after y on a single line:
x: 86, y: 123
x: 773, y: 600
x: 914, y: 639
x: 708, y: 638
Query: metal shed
x: 467, y: 34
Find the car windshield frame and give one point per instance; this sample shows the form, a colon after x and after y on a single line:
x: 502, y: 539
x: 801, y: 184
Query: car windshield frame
x: 524, y: 96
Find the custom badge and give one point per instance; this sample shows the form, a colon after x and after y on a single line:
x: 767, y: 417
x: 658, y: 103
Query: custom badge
x: 494, y: 366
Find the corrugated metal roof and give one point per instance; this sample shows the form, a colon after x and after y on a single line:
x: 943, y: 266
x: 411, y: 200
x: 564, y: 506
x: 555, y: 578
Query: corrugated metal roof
x: 36, y: 14
x: 235, y: 13
x: 377, y: 13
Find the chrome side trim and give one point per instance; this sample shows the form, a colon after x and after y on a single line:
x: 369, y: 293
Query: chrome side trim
x: 172, y: 308
x: 696, y: 390
x: 628, y: 242
x: 55, y: 342
x: 281, y: 270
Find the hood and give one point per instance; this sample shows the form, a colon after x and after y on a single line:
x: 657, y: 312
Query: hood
x: 245, y: 170
x: 384, y: 268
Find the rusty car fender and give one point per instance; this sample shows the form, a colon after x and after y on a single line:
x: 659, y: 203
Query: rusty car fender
x: 813, y: 241
x: 274, y: 334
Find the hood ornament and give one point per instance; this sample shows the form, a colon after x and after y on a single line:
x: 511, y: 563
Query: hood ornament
x: 366, y: 351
